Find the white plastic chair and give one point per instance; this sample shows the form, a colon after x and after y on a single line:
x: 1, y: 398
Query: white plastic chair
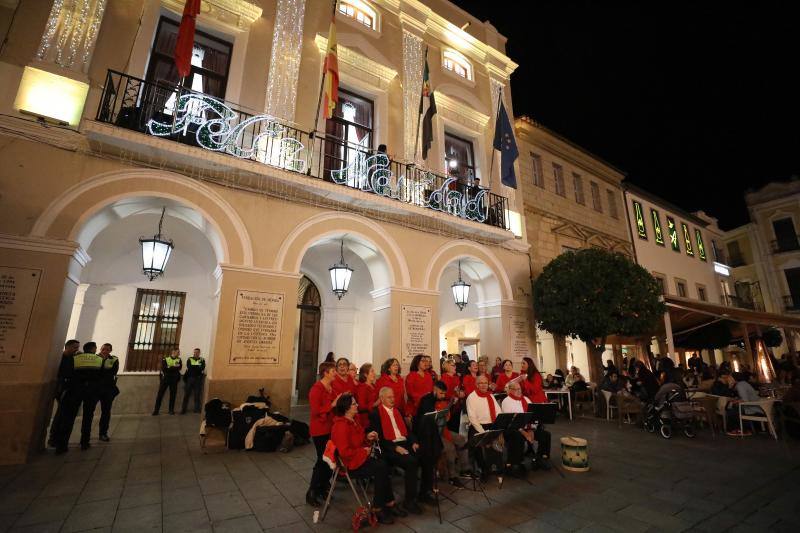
x: 766, y: 406
x: 609, y: 408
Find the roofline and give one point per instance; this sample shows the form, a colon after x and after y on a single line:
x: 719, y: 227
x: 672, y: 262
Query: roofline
x: 627, y: 186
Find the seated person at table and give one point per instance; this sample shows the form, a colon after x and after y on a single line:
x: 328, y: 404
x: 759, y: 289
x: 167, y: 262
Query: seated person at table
x: 550, y: 382
x: 398, y: 444
x: 353, y: 446
x: 645, y: 383
x: 434, y: 440
x: 723, y: 385
x: 482, y: 411
x: 518, y: 440
x: 744, y: 392
x: 558, y: 375
x: 611, y: 383
x: 575, y: 381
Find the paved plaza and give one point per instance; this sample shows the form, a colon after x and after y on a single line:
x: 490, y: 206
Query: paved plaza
x: 154, y: 477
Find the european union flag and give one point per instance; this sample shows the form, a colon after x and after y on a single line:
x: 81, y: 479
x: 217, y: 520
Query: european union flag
x: 505, y: 142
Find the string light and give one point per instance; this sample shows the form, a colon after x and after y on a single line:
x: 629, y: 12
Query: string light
x: 91, y: 34
x: 50, y: 29
x: 413, y: 57
x: 284, y: 66
x: 66, y: 29
x: 71, y: 32
x: 77, y: 33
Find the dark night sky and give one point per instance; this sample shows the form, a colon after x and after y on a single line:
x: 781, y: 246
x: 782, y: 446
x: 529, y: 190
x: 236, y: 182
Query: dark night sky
x: 695, y: 100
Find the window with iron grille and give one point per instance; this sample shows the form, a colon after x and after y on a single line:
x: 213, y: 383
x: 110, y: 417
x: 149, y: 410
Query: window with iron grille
x: 558, y: 175
x: 155, y: 328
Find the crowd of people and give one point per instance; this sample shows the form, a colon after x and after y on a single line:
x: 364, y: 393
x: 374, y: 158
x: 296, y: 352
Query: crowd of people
x: 375, y: 421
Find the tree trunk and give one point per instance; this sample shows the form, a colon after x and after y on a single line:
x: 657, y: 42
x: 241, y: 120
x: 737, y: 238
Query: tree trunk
x: 596, y: 360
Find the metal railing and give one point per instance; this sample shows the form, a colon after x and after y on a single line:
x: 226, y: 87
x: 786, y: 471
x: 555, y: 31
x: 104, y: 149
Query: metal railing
x: 196, y: 119
x: 735, y: 301
x: 736, y: 261
x: 787, y: 244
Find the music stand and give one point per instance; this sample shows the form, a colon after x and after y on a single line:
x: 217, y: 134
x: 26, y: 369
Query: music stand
x: 545, y: 413
x: 481, y: 440
x: 439, y: 418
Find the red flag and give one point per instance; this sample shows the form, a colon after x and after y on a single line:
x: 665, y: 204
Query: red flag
x: 331, y: 68
x: 185, y: 42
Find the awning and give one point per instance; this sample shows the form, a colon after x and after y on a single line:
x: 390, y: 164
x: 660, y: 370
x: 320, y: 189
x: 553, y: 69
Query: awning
x: 686, y: 314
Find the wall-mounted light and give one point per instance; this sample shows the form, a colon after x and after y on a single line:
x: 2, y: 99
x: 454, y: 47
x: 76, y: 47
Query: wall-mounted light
x: 51, y: 97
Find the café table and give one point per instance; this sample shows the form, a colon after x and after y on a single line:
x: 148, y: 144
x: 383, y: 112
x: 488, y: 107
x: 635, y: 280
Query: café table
x: 558, y: 393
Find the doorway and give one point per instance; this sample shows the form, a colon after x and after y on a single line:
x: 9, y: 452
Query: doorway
x: 308, y: 342
x: 471, y: 346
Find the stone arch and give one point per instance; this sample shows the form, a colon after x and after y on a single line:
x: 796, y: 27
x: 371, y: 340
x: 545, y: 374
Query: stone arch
x: 66, y: 215
x: 330, y: 225
x: 452, y: 251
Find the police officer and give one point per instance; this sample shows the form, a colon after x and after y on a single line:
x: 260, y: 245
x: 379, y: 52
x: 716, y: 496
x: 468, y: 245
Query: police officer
x: 71, y: 347
x: 170, y: 376
x: 193, y: 380
x: 82, y: 378
x: 108, y: 388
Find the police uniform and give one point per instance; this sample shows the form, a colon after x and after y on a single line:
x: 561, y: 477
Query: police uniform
x: 170, y: 376
x: 193, y: 382
x: 83, y: 382
x: 108, y: 391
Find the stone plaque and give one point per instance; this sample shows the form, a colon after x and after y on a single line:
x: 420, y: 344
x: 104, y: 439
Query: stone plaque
x: 519, y: 337
x: 18, y: 288
x: 415, y: 333
x: 256, y: 338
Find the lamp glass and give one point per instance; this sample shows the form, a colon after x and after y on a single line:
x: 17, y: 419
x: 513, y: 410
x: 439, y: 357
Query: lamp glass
x: 155, y: 255
x: 340, y: 279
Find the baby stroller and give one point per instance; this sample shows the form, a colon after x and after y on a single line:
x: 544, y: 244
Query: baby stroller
x: 674, y: 414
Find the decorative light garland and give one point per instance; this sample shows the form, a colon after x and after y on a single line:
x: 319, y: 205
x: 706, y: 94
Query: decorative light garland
x: 71, y: 32
x: 413, y: 57
x: 50, y: 29
x: 91, y: 34
x: 284, y: 66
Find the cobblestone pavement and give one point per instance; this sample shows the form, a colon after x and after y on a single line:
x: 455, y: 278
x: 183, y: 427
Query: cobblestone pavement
x: 154, y: 477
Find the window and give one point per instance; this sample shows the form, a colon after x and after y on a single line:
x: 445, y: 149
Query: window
x: 659, y: 235
x: 735, y: 254
x: 457, y: 64
x: 687, y: 239
x: 597, y: 204
x: 701, y: 247
x: 661, y: 281
x: 538, y: 178
x: 612, y: 203
x: 701, y: 293
x: 641, y: 229
x: 359, y: 11
x: 211, y: 58
x: 680, y: 288
x: 785, y: 235
x: 558, y: 175
x: 459, y: 157
x: 349, y: 134
x: 156, y: 328
x: 577, y: 181
x: 672, y: 231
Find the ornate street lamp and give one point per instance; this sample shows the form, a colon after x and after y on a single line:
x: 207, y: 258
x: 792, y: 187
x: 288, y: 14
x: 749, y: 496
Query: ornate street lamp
x: 460, y: 291
x: 156, y: 252
x: 340, y: 276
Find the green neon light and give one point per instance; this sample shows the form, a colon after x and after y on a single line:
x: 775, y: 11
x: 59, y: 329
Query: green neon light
x: 659, y: 235
x: 687, y: 239
x: 641, y: 229
x: 701, y: 248
x: 672, y: 231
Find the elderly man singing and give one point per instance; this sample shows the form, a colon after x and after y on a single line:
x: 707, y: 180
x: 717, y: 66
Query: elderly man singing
x: 482, y: 411
x: 398, y: 445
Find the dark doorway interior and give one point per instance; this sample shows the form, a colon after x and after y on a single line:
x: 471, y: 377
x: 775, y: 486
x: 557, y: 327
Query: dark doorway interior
x: 308, y: 343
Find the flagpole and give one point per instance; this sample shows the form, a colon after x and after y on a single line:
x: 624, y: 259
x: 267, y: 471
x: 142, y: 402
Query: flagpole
x: 491, y: 165
x: 419, y: 117
x: 313, y: 132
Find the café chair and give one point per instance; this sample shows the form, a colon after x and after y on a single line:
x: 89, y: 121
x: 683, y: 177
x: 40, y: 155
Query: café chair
x: 626, y: 406
x: 609, y: 407
x: 766, y: 406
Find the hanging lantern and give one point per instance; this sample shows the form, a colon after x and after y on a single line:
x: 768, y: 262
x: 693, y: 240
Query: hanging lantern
x: 340, y: 276
x: 155, y: 252
x: 460, y: 291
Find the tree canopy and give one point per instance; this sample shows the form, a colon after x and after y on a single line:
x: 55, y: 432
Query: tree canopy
x: 590, y: 294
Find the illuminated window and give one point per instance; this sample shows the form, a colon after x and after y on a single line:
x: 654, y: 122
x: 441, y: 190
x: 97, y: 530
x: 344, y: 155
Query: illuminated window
x: 156, y: 328
x: 359, y: 11
x: 577, y: 180
x: 457, y: 64
x: 672, y: 231
x: 558, y: 175
x: 701, y: 248
x: 659, y: 236
x: 687, y: 239
x: 597, y: 203
x: 538, y: 177
x: 459, y: 158
x: 641, y: 229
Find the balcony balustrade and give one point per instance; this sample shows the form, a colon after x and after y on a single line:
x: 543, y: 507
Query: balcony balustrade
x: 791, y: 303
x: 787, y: 244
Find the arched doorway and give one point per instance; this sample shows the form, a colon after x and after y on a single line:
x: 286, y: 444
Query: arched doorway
x: 309, y: 303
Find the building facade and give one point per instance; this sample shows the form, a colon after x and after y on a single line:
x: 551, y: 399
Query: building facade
x: 572, y: 200
x: 104, y: 144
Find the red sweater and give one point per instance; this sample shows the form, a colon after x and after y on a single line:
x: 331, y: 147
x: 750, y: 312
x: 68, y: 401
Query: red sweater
x: 417, y: 386
x: 320, y: 400
x: 452, y: 382
x: 502, y: 381
x: 468, y: 383
x: 350, y: 441
x: 397, y: 386
x: 366, y: 396
x: 344, y: 385
x: 534, y: 389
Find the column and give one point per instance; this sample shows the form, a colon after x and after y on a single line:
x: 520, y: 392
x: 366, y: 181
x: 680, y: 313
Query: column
x: 254, y: 341
x: 506, y: 331
x: 670, y: 343
x: 405, y: 323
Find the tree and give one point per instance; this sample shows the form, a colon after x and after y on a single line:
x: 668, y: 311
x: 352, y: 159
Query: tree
x: 591, y: 294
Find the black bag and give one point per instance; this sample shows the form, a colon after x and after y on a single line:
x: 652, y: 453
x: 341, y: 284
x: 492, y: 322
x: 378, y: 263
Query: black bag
x: 300, y: 430
x: 280, y: 418
x: 218, y: 413
x: 242, y: 422
x: 268, y: 438
x: 261, y: 398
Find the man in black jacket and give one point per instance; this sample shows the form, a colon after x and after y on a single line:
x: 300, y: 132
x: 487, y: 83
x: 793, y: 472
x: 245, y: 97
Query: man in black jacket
x: 193, y: 380
x: 429, y: 437
x: 108, y: 388
x: 71, y: 347
x: 398, y: 445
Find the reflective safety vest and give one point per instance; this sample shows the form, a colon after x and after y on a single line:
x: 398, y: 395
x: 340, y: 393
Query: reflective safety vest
x: 195, y: 362
x: 173, y: 362
x: 87, y: 361
x: 108, y: 363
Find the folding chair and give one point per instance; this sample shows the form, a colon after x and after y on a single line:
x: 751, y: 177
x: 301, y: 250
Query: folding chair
x: 341, y: 472
x: 766, y: 406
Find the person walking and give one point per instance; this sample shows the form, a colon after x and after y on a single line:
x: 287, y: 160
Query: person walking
x: 107, y: 388
x: 170, y: 376
x: 193, y: 380
x: 71, y: 347
x: 82, y: 378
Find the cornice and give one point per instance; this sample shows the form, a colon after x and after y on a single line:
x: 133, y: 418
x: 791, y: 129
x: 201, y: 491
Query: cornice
x: 350, y: 57
x: 461, y: 110
x: 235, y: 14
x: 44, y: 245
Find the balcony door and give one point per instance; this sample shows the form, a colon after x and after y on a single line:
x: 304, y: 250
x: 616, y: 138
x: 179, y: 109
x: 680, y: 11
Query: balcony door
x: 348, y: 136
x: 793, y: 281
x: 785, y: 235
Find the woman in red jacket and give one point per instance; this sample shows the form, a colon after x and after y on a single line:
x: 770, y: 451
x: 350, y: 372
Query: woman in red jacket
x: 507, y: 375
x: 450, y: 378
x: 344, y: 382
x: 354, y: 447
x: 390, y: 377
x: 419, y: 382
x: 468, y: 382
x: 367, y: 393
x: 532, y: 385
x: 321, y: 399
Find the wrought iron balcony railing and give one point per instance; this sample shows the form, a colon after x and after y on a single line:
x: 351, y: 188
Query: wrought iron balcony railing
x: 791, y: 303
x: 787, y: 244
x: 193, y: 118
x: 736, y: 301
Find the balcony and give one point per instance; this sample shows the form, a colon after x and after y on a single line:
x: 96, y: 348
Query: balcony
x: 206, y: 123
x: 791, y: 303
x: 735, y: 301
x: 786, y: 244
x: 736, y: 260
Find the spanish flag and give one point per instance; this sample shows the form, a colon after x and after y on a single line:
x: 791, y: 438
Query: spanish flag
x: 331, y: 73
